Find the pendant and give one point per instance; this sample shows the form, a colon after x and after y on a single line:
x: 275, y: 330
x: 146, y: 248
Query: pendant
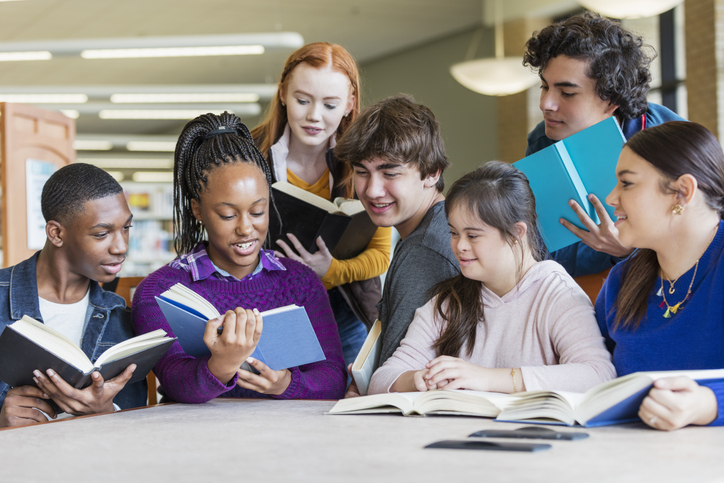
x: 671, y: 289
x: 667, y: 314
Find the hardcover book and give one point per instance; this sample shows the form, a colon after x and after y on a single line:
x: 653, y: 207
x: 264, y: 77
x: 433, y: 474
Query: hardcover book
x: 571, y: 169
x: 613, y: 402
x: 344, y: 225
x: 27, y: 345
x: 287, y: 339
x: 368, y: 359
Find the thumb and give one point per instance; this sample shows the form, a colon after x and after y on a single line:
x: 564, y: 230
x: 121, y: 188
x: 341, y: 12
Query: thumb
x: 321, y: 245
x: 675, y: 383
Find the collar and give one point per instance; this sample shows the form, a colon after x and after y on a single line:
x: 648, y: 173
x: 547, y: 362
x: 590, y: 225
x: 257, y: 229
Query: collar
x: 198, y: 263
x: 24, y: 292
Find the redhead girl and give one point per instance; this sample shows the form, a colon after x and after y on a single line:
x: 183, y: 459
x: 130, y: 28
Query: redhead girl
x: 222, y: 202
x: 662, y: 309
x: 510, y: 322
x: 317, y: 99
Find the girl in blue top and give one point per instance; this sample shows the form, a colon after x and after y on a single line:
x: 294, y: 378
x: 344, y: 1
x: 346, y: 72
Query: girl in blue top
x: 662, y: 309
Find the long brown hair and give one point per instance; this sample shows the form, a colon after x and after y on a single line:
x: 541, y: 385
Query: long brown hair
x: 317, y: 55
x: 674, y: 149
x: 500, y: 196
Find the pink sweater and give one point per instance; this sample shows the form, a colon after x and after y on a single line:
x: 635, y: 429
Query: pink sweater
x: 545, y: 326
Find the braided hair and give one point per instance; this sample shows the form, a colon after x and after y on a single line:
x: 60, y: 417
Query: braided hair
x: 205, y: 143
x: 67, y: 190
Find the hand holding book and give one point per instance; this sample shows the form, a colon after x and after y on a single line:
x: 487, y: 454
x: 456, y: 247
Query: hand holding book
x: 239, y: 337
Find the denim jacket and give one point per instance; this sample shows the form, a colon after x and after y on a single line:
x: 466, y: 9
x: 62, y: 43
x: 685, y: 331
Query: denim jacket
x: 108, y: 321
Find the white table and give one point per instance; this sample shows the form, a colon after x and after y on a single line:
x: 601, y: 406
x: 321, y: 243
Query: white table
x: 261, y: 440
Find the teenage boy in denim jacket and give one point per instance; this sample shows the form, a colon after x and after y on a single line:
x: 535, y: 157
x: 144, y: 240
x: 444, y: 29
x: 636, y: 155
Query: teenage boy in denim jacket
x: 87, y: 226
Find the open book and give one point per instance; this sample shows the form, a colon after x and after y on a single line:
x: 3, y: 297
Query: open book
x: 344, y: 225
x: 27, y: 345
x: 571, y: 169
x: 612, y: 402
x: 368, y: 359
x: 287, y: 339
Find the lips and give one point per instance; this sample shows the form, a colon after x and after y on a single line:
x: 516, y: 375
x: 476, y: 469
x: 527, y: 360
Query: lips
x: 113, y: 267
x: 312, y: 131
x: 244, y: 247
x: 552, y: 122
x: 379, y: 208
x: 619, y: 218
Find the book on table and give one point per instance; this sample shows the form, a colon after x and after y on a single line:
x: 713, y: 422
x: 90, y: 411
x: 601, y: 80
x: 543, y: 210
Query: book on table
x: 368, y: 358
x: 27, y: 345
x: 613, y: 402
x: 571, y: 169
x: 343, y: 224
x: 287, y: 338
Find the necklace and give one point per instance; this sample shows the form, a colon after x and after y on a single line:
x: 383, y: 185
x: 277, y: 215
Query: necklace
x: 670, y: 310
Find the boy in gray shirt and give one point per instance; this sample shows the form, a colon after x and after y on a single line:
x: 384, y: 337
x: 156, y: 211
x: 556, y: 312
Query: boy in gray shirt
x: 397, y: 156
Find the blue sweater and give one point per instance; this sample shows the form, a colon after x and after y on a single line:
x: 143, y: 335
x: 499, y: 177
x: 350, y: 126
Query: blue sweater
x: 580, y: 259
x: 691, y: 339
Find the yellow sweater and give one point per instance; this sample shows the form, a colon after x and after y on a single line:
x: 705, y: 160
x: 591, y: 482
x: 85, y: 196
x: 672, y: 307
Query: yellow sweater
x: 368, y: 264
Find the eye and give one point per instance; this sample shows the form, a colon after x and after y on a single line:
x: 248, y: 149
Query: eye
x: 625, y: 184
x: 258, y: 214
x: 100, y: 236
x: 302, y: 101
x: 360, y: 172
x: 543, y: 87
x: 453, y: 234
x: 226, y: 217
x: 391, y: 175
x: 568, y: 94
x: 330, y: 106
x: 472, y: 237
x: 127, y: 227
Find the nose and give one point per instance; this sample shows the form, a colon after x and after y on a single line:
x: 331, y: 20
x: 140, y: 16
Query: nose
x: 375, y: 187
x: 612, y: 198
x: 314, y: 113
x: 547, y: 100
x: 245, y: 226
x: 120, y: 243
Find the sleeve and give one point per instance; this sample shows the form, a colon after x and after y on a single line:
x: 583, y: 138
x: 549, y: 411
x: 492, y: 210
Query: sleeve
x: 369, y: 264
x: 418, y: 269
x: 583, y: 360
x: 184, y: 378
x: 579, y: 259
x: 717, y: 386
x: 414, y: 352
x: 325, y: 379
x: 603, y: 316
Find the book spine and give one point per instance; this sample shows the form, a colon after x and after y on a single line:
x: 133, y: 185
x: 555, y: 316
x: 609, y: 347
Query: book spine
x: 577, y: 181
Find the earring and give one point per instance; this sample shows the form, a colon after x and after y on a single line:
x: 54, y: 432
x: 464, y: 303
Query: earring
x: 677, y: 209
x: 283, y: 105
x: 347, y: 114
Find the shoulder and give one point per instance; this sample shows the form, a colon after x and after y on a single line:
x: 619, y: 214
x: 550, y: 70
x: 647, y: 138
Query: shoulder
x: 552, y: 281
x: 160, y: 280
x: 657, y: 114
x: 296, y: 273
x: 537, y: 139
x: 431, y: 237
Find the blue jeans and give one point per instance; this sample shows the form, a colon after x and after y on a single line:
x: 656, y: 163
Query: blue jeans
x: 352, y: 331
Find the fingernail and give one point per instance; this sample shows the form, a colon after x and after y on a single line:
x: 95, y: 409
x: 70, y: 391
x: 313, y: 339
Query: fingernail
x: 37, y: 373
x: 95, y: 375
x: 256, y: 311
x: 249, y: 360
x: 36, y: 380
x: 46, y: 396
x: 590, y: 196
x: 51, y: 373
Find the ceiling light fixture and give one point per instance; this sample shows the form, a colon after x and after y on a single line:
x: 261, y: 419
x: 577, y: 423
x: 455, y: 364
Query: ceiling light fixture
x: 498, y: 76
x: 128, y: 163
x: 172, y: 46
x: 185, y: 97
x: 159, y: 146
x: 71, y: 113
x: 155, y: 113
x: 153, y: 177
x: 630, y: 8
x: 92, y: 145
x: 45, y: 98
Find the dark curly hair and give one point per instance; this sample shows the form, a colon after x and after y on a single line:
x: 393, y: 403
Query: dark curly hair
x: 616, y: 57
x: 205, y: 143
x: 66, y: 192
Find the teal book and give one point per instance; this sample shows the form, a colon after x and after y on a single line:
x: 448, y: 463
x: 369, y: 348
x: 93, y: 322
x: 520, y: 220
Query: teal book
x: 287, y: 339
x: 571, y: 169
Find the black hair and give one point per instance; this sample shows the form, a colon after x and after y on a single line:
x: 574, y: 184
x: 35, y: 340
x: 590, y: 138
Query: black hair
x: 206, y: 142
x: 68, y: 189
x: 616, y: 58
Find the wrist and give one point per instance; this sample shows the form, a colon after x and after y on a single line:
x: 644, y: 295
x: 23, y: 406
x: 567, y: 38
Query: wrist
x: 708, y: 407
x: 221, y: 371
x: 283, y: 383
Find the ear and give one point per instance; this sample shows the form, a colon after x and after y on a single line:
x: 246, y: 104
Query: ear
x: 55, y: 233
x: 350, y: 105
x: 432, y: 179
x: 196, y: 210
x: 686, y: 187
x: 611, y: 109
x: 520, y: 229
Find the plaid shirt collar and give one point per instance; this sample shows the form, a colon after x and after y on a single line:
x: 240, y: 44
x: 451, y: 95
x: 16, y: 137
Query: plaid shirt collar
x: 201, y: 267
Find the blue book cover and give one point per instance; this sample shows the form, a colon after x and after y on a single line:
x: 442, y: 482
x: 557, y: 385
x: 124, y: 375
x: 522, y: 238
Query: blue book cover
x: 569, y: 170
x: 287, y: 338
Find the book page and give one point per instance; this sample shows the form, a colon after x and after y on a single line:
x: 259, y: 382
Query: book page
x: 306, y: 196
x: 132, y: 345
x: 184, y: 295
x: 348, y: 206
x: 53, y: 341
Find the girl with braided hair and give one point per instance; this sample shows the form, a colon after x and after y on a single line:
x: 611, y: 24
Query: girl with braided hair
x: 222, y: 189
x: 317, y: 99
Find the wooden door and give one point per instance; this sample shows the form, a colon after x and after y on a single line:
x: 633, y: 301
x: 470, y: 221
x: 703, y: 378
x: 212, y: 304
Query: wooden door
x: 27, y: 133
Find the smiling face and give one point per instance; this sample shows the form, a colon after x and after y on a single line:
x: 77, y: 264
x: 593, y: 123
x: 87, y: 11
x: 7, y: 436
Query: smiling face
x: 316, y: 101
x: 394, y: 194
x: 96, y: 241
x: 568, y: 98
x: 234, y: 209
x: 641, y: 207
x: 484, y: 255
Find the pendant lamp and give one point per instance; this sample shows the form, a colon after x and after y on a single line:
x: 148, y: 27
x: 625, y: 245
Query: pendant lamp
x: 498, y: 76
x: 630, y: 8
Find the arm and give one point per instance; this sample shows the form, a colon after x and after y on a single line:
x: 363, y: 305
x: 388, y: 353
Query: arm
x: 415, y: 272
x: 184, y: 378
x: 325, y: 379
x: 396, y: 374
x: 582, y: 359
x: 675, y: 402
x: 371, y: 263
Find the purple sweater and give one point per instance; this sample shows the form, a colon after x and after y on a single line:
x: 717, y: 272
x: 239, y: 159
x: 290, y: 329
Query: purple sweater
x: 188, y: 379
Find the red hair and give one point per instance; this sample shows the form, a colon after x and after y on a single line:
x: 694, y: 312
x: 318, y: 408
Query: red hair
x: 317, y: 55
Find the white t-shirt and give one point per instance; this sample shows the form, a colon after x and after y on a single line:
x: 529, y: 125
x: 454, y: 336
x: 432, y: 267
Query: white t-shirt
x: 68, y: 319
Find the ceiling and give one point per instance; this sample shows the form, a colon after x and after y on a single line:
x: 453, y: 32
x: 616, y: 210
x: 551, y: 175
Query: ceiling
x: 369, y: 29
